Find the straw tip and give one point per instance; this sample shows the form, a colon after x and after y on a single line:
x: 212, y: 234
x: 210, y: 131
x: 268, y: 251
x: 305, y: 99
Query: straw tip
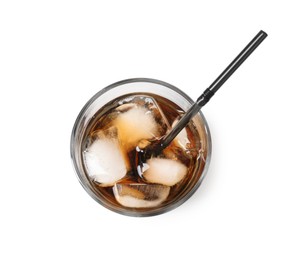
x: 263, y: 33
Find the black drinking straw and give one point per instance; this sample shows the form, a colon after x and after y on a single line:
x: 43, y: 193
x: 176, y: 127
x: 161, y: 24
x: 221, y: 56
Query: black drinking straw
x: 207, y: 94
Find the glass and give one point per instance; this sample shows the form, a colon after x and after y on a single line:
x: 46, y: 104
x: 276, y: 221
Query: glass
x: 126, y: 87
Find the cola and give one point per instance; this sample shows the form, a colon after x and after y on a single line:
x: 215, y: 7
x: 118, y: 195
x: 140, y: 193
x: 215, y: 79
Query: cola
x: 109, y: 149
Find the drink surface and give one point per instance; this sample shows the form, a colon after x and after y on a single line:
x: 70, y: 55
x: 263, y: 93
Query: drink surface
x: 109, y: 153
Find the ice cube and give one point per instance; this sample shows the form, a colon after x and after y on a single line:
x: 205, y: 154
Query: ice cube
x: 104, y: 161
x: 158, y: 114
x: 164, y: 171
x: 181, y: 139
x: 134, y: 125
x: 139, y: 195
x: 139, y: 121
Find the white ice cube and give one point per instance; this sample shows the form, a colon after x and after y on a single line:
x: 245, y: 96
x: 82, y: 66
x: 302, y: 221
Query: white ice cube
x: 104, y: 161
x: 140, y: 195
x: 164, y: 171
x: 134, y: 125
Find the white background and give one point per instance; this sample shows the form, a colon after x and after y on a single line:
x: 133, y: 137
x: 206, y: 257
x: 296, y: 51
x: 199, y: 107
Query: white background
x: 54, y: 55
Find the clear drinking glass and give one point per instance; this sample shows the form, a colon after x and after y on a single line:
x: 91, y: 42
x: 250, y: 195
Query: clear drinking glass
x: 130, y: 86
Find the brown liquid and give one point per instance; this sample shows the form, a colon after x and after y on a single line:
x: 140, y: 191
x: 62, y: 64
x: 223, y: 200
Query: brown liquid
x: 192, y: 157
